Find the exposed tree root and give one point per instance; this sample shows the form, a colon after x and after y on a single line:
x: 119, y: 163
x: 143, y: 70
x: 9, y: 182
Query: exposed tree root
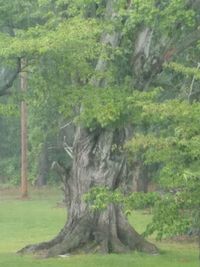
x: 109, y: 233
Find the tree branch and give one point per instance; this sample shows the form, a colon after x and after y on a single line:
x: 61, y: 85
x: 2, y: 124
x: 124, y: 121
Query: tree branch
x: 9, y: 84
x: 192, y: 83
x: 189, y: 40
x: 67, y: 148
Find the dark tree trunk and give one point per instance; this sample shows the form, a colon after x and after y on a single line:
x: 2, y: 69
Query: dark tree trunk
x: 95, y: 164
x: 43, y: 167
x: 139, y: 178
x: 24, y: 145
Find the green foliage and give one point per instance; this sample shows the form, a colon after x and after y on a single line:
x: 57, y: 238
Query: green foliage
x: 112, y: 106
x: 100, y: 197
x: 172, y: 142
x: 9, y: 168
x: 39, y: 40
x: 9, y: 163
x: 194, y: 72
x: 140, y: 200
x: 176, y: 146
x: 49, y: 34
x: 164, y: 15
x: 106, y: 108
x: 168, y: 218
x: 8, y: 110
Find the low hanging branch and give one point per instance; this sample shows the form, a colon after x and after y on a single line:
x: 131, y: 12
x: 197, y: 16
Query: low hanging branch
x: 67, y: 148
x: 188, y: 41
x: 182, y: 45
x: 66, y: 125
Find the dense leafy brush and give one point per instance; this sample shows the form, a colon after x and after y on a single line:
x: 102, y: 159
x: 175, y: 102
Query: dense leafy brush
x: 100, y: 197
x: 142, y: 200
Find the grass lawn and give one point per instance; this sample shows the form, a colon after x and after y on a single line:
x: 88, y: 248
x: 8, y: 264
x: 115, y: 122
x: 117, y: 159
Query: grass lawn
x: 28, y: 221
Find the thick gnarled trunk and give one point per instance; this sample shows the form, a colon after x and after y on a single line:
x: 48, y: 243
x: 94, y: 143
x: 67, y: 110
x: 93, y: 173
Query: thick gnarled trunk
x: 95, y: 164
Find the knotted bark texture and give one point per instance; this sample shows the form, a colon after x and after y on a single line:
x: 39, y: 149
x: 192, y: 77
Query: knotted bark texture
x: 95, y: 163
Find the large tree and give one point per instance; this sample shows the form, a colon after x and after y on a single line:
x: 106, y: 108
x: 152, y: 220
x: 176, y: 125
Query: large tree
x: 137, y: 39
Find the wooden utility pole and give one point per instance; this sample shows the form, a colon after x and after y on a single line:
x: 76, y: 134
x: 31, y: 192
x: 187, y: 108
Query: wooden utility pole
x: 24, y: 149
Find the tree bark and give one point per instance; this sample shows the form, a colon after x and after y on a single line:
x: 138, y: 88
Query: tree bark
x: 107, y: 231
x: 24, y: 146
x: 12, y: 76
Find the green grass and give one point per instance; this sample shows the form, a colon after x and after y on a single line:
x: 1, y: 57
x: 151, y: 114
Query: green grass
x: 40, y: 218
